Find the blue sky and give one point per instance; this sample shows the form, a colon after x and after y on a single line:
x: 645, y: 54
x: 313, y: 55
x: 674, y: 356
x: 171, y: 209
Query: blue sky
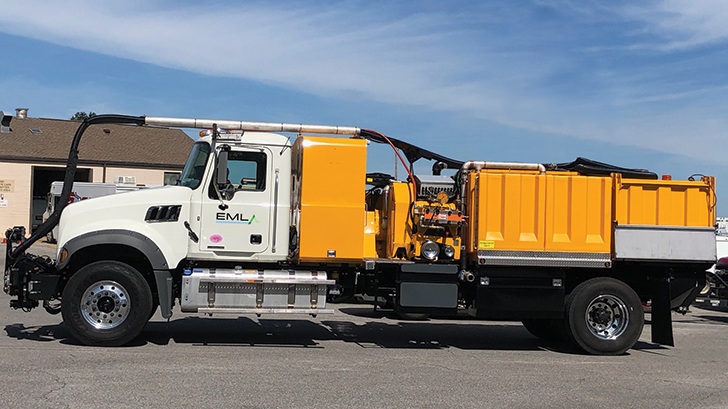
x: 634, y: 83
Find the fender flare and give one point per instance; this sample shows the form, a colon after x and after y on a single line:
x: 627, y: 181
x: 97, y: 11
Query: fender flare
x: 117, y: 236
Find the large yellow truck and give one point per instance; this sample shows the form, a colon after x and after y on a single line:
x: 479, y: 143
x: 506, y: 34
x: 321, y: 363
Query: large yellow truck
x: 259, y: 224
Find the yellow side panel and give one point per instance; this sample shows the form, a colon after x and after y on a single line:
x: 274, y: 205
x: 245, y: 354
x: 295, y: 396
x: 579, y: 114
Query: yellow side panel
x: 665, y: 202
x: 510, y: 211
x: 332, y: 186
x: 578, y: 214
x: 470, y: 239
x: 370, y: 234
x: 399, y: 225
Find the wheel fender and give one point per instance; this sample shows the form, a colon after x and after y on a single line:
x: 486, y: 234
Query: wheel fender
x: 124, y: 237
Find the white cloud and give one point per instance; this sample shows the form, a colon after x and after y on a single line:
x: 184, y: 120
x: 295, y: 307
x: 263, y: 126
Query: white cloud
x: 489, y: 63
x: 683, y: 24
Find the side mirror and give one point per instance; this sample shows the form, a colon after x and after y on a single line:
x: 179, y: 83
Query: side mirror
x: 222, y: 167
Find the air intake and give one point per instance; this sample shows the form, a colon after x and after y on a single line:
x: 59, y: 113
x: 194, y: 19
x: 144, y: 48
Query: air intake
x: 157, y: 214
x: 428, y: 186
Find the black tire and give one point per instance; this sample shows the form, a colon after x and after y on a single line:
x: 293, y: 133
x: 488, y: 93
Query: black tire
x: 551, y: 330
x: 106, y: 303
x: 605, y: 316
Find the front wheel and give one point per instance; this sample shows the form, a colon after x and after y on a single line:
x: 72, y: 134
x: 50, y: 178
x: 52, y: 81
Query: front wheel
x: 106, y: 303
x: 605, y: 316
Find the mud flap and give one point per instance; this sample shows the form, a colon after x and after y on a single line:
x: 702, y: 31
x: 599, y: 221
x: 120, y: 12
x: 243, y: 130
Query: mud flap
x: 661, y: 313
x: 163, y: 279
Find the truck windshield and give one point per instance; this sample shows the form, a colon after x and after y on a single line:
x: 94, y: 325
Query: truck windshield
x: 195, y: 167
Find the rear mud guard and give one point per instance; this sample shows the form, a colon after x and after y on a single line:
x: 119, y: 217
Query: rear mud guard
x: 661, y: 313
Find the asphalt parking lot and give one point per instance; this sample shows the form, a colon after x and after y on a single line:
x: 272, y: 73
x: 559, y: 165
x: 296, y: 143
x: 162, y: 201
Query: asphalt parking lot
x: 354, y: 358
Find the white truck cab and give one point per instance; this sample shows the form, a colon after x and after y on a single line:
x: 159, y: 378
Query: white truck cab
x: 249, y: 218
x: 246, y: 220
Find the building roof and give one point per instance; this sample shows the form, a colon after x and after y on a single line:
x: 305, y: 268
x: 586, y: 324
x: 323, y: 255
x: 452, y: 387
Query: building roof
x: 49, y: 141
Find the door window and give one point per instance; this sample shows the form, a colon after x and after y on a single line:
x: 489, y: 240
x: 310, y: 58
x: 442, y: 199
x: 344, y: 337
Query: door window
x: 245, y: 172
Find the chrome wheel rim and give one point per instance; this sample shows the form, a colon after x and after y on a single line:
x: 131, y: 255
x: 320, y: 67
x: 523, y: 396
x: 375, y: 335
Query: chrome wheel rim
x: 105, y: 304
x: 607, y: 317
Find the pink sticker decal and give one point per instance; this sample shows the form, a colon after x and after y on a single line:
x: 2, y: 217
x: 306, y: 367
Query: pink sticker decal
x: 216, y: 238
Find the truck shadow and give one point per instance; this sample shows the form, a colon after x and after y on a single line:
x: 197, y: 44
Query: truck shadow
x: 43, y: 333
x: 366, y: 329
x: 301, y: 333
x: 279, y: 333
x: 311, y: 334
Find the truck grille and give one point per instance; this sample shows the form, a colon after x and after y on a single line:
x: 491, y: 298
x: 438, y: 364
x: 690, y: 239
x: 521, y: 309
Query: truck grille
x: 168, y: 213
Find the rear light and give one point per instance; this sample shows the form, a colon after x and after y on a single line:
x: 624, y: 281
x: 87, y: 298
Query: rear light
x: 722, y: 263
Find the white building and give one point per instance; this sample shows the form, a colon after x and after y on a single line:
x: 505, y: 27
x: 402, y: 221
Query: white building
x: 34, y: 151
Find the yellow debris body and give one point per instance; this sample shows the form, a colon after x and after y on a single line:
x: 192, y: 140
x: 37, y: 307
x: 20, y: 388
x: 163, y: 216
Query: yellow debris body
x: 527, y: 212
x: 567, y: 212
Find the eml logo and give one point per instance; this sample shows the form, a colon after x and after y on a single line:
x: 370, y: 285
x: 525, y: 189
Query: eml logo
x: 232, y: 218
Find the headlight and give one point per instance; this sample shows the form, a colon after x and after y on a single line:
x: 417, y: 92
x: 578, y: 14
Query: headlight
x: 448, y: 251
x: 430, y: 250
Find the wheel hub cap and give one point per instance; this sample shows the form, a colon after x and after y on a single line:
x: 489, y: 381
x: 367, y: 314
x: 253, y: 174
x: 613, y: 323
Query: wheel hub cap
x: 105, y: 305
x: 607, y: 316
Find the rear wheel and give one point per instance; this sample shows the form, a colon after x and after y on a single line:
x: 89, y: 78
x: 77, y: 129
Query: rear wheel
x: 106, y: 303
x: 605, y: 316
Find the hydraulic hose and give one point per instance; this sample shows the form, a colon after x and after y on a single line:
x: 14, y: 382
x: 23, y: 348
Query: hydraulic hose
x: 381, y: 138
x: 70, y: 176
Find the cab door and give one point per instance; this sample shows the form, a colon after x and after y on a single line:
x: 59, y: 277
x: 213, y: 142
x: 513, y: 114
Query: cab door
x: 239, y: 225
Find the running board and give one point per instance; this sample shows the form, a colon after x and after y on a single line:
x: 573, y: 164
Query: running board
x: 258, y: 311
